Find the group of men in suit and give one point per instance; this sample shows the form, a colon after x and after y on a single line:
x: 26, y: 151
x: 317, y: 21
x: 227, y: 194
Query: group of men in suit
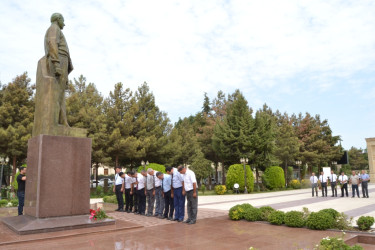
x: 162, y: 193
x: 354, y: 180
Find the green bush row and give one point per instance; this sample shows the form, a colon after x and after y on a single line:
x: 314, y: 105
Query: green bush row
x: 9, y: 203
x: 322, y: 220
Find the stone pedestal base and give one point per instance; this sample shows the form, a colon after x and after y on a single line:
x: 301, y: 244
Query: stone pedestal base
x: 371, y: 157
x: 58, y: 176
x: 25, y: 224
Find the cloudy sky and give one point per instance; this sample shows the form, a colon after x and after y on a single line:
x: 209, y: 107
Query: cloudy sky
x: 296, y: 56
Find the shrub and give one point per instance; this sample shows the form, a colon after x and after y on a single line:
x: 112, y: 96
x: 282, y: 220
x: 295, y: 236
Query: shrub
x: 99, y: 190
x: 332, y: 212
x: 220, y: 189
x: 236, y: 212
x: 320, y: 221
x: 251, y: 213
x: 305, y: 183
x: 3, y: 203
x: 236, y: 175
x: 365, y: 222
x: 203, y: 188
x: 276, y: 217
x: 342, y: 222
x: 265, y: 212
x: 274, y: 177
x: 110, y: 199
x: 335, y: 243
x: 154, y: 166
x: 14, y: 202
x: 294, y: 219
x: 295, y: 184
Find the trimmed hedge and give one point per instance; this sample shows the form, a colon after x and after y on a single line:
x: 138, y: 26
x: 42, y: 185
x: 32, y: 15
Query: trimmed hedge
x: 320, y: 221
x: 265, y: 212
x: 236, y: 175
x: 274, y: 177
x: 276, y: 217
x: 236, y: 212
x: 365, y: 222
x: 294, y: 219
x: 154, y: 166
x: 251, y: 214
x: 220, y: 189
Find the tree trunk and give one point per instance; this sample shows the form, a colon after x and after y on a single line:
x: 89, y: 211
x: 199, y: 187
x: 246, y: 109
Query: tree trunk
x: 216, y: 173
x: 286, y: 174
x: 116, y: 163
x: 96, y: 174
x: 223, y: 176
x: 14, y: 171
x: 257, y: 177
x: 210, y: 182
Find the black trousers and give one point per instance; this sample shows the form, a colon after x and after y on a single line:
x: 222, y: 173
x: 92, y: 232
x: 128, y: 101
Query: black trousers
x: 135, y: 200
x: 119, y: 196
x: 128, y: 199
x: 334, y: 189
x: 21, y: 201
x: 168, y: 205
x: 141, y: 201
x: 324, y: 189
x: 365, y: 189
x: 344, y: 187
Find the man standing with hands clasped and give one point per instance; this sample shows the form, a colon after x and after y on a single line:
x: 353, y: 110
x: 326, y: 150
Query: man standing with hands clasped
x: 314, y: 184
x: 365, y: 178
x: 323, y: 182
x: 333, y: 179
x: 118, y: 189
x: 190, y: 188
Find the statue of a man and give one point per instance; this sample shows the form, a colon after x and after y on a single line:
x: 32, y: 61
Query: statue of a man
x: 59, y: 64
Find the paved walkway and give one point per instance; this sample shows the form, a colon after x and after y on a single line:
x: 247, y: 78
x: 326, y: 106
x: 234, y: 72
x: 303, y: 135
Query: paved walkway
x: 213, y: 230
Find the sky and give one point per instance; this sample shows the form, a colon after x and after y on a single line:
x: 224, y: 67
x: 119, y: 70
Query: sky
x: 297, y: 56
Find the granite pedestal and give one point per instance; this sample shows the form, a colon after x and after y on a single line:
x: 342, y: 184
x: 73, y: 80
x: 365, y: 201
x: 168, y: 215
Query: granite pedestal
x: 57, y: 185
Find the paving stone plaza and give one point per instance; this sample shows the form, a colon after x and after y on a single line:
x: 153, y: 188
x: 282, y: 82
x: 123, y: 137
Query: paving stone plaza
x: 213, y: 230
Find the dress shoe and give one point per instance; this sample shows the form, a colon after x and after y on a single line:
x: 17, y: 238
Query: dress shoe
x: 121, y: 210
x: 187, y: 221
x: 180, y: 220
x: 156, y: 215
x: 117, y: 209
x: 191, y: 222
x: 175, y: 219
x: 170, y: 218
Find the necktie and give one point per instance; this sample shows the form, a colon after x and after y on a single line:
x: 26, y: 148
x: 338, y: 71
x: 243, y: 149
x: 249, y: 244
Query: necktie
x: 332, y: 177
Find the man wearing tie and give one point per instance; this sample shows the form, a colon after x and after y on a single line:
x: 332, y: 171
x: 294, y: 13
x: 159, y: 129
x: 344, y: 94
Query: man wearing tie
x: 323, y: 182
x: 343, y: 179
x: 178, y: 197
x: 141, y: 192
x: 333, y: 178
x: 159, y: 205
x: 118, y: 189
x: 314, y: 184
x: 134, y: 188
x: 166, y: 183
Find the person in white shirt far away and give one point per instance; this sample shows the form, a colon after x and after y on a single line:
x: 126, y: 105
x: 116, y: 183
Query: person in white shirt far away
x: 314, y: 184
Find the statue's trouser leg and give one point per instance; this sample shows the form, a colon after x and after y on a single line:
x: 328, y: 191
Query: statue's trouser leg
x: 63, y: 84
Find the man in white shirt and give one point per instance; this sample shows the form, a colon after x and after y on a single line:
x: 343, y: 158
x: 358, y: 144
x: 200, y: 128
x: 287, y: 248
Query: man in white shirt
x: 128, y: 196
x: 354, y: 180
x: 314, y: 184
x: 141, y: 192
x: 333, y: 180
x: 118, y: 189
x: 178, y: 197
x: 323, y: 183
x: 190, y: 188
x: 159, y: 200
x: 133, y: 191
x: 343, y: 179
x: 150, y: 191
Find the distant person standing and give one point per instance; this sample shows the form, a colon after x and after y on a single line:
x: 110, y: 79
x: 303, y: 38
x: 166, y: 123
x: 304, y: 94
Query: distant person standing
x: 21, y: 181
x: 190, y: 188
x: 314, y: 184
x: 159, y: 200
x: 141, y: 192
x: 365, y: 178
x: 178, y: 197
x: 354, y: 180
x: 343, y: 179
x: 133, y: 191
x: 150, y: 192
x: 333, y: 179
x: 323, y: 182
x: 128, y: 195
x: 118, y: 189
x: 166, y: 183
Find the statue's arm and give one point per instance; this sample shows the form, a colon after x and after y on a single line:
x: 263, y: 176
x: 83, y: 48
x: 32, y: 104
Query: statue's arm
x: 53, y: 37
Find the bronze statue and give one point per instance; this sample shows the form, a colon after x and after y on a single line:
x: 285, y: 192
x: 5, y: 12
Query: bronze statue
x: 52, y: 81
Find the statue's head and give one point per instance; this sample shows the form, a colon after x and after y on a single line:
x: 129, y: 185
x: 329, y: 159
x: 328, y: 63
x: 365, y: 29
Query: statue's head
x: 59, y: 19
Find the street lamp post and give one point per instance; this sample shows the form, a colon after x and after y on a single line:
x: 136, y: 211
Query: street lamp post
x: 244, y: 161
x: 3, y: 161
x: 299, y: 163
x: 144, y: 164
